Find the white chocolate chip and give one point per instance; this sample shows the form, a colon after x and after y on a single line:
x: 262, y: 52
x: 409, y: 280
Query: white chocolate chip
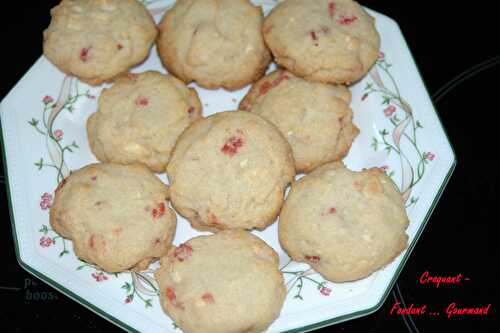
x: 249, y: 48
x: 352, y: 43
x: 200, y: 303
x: 106, y: 6
x: 176, y: 277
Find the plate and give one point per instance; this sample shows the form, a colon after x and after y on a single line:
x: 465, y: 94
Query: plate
x: 400, y: 132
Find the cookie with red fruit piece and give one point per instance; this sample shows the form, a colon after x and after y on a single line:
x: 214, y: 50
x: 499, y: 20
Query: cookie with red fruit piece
x: 345, y: 224
x: 315, y: 118
x: 95, y: 40
x: 116, y: 215
x: 216, y: 43
x: 229, y: 171
x: 329, y: 41
x: 227, y: 282
x: 140, y: 118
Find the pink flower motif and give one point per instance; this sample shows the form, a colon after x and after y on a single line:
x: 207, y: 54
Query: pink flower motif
x: 90, y: 96
x: 46, y: 201
x: 47, y: 99
x: 325, y: 291
x: 58, y: 133
x: 384, y: 168
x: 381, y: 55
x: 46, y: 241
x: 388, y: 111
x: 99, y: 276
x: 128, y: 300
x: 429, y: 156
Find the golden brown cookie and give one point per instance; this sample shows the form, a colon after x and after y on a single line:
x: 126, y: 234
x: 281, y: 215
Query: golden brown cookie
x: 95, y: 40
x: 140, y: 118
x: 345, y: 224
x: 228, y: 282
x: 230, y: 171
x: 217, y: 43
x: 315, y: 118
x: 117, y: 216
x: 330, y: 41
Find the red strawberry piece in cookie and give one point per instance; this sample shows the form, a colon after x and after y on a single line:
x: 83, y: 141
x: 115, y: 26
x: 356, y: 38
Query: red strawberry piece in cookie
x: 183, y: 252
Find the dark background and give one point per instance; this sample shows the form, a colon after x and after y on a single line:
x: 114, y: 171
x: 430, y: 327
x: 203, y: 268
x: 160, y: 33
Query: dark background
x: 459, y: 237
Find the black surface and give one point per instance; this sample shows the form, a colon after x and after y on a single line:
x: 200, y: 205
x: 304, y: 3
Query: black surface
x: 459, y: 237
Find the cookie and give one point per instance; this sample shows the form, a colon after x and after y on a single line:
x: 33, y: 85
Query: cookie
x: 315, y: 118
x: 230, y: 171
x: 217, y: 43
x: 323, y: 40
x: 140, y: 118
x: 95, y: 40
x: 227, y: 282
x: 344, y: 224
x: 117, y: 216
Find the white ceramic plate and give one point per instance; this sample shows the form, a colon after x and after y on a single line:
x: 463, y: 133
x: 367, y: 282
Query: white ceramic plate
x: 400, y: 131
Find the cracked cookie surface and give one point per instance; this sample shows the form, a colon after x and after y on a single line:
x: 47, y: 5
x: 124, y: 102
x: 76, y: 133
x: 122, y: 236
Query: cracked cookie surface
x: 217, y: 43
x: 229, y: 171
x: 315, y: 118
x: 323, y: 40
x: 345, y: 224
x: 96, y: 40
x: 227, y: 282
x: 150, y: 110
x: 117, y: 216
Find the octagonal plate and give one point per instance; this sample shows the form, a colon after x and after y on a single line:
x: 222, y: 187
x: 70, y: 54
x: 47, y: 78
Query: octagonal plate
x: 400, y: 131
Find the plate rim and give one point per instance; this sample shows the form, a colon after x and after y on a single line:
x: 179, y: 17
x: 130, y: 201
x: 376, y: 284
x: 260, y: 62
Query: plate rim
x: 52, y: 283
x: 336, y: 320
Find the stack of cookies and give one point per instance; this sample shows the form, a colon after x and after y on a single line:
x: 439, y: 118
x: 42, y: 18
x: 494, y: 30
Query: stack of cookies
x: 228, y: 172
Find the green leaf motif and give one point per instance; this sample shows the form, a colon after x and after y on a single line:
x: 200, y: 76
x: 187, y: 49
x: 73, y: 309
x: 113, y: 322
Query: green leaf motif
x: 44, y: 229
x: 387, y: 100
x: 33, y: 122
x: 419, y: 125
x: 299, y: 297
x: 127, y: 287
x: 375, y: 144
x: 388, y: 148
x: 384, y: 132
x: 148, y: 303
x: 39, y: 164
